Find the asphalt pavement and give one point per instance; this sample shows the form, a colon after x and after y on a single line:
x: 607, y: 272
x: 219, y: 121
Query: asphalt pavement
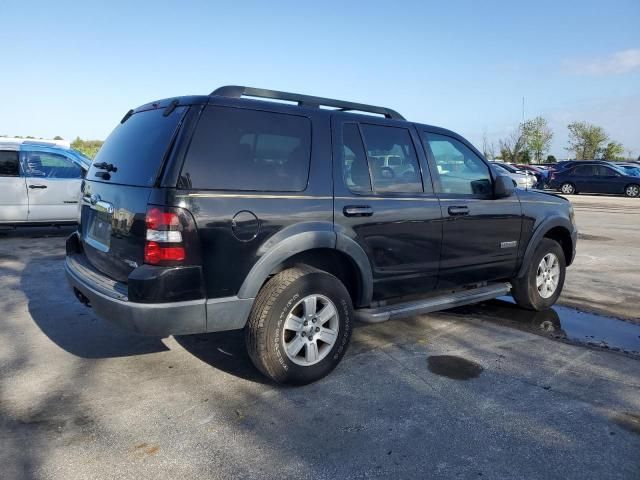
x: 449, y: 395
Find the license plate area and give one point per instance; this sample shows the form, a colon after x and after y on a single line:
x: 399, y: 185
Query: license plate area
x: 99, y: 231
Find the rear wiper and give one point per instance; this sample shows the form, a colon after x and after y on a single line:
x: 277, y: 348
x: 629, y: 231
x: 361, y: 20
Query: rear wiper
x: 170, y: 108
x: 126, y: 116
x: 106, y: 166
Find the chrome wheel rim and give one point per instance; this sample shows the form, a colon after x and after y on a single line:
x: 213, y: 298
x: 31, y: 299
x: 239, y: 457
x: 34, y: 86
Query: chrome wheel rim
x: 310, y: 330
x: 633, y: 190
x: 548, y: 275
x: 567, y: 188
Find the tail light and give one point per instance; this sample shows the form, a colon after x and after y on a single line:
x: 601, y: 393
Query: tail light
x: 170, y: 237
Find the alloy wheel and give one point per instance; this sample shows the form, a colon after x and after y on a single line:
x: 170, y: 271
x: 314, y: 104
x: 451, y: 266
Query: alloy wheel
x: 548, y: 275
x: 310, y: 330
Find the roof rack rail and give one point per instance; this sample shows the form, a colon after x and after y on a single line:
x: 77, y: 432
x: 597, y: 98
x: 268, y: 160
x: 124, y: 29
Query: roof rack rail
x: 235, y: 91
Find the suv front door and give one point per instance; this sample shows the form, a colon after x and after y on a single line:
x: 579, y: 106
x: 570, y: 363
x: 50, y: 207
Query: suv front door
x: 388, y: 208
x: 481, y: 233
x: 53, y: 183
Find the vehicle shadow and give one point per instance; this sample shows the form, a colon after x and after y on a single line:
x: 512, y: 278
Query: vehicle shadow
x: 223, y: 351
x: 72, y: 326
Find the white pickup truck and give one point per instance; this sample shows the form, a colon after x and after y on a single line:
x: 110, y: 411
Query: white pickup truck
x: 39, y: 182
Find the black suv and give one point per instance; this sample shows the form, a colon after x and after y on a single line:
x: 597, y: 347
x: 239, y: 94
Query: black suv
x: 291, y: 220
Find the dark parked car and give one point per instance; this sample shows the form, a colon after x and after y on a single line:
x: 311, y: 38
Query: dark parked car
x: 595, y: 177
x: 221, y: 212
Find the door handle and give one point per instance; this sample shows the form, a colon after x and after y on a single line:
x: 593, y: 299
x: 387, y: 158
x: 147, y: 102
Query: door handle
x: 357, y: 211
x: 458, y: 211
x: 37, y: 186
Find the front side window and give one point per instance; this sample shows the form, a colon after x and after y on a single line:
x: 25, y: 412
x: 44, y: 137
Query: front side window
x: 603, y: 171
x: 9, y: 163
x: 393, y: 162
x: 51, y: 165
x: 239, y: 149
x: 460, y: 170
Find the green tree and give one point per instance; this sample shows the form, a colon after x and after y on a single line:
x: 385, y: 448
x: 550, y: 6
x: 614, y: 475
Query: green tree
x: 613, y: 151
x: 513, y: 149
x: 551, y: 159
x: 586, y: 140
x: 88, y: 147
x: 58, y: 137
x: 538, y: 137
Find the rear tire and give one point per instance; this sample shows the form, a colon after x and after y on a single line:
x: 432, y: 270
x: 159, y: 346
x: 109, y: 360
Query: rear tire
x: 568, y: 188
x: 632, y: 190
x: 300, y: 325
x: 541, y: 285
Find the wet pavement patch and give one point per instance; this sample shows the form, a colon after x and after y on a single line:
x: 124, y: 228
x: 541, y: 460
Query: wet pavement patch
x: 586, y: 236
x: 456, y: 368
x: 562, y: 323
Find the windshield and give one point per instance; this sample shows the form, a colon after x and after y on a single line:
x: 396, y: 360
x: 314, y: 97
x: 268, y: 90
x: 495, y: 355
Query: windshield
x: 137, y: 147
x: 83, y: 160
x: 500, y: 168
x: 629, y: 170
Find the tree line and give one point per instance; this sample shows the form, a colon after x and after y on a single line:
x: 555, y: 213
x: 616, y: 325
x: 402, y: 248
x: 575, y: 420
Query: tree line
x: 531, y: 141
x: 88, y: 147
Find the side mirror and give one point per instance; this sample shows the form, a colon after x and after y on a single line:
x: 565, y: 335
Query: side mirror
x: 503, y: 186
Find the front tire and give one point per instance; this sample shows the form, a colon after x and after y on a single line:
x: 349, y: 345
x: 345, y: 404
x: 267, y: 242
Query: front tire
x: 300, y: 325
x: 632, y: 190
x: 541, y: 285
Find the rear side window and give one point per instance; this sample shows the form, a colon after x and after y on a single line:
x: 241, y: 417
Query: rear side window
x: 393, y: 162
x: 584, y: 171
x: 239, y: 149
x: 137, y: 147
x: 9, y: 166
x: 51, y: 165
x: 385, y: 163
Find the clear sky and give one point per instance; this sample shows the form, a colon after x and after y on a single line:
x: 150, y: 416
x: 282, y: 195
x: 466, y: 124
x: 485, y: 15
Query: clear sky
x: 74, y: 68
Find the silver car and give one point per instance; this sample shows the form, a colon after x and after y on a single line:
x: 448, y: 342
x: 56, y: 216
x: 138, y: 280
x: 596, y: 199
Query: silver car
x: 521, y: 180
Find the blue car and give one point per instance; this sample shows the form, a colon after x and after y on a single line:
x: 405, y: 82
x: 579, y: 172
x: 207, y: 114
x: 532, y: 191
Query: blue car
x: 595, y: 177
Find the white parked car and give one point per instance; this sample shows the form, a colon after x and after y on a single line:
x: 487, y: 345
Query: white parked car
x: 521, y: 180
x: 39, y: 182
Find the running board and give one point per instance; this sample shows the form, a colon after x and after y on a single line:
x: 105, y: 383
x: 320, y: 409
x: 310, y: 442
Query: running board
x: 433, y: 304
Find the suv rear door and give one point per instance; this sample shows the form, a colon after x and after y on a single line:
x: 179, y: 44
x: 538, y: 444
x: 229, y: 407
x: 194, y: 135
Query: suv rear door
x: 387, y: 207
x: 14, y: 204
x: 119, y: 184
x: 481, y: 234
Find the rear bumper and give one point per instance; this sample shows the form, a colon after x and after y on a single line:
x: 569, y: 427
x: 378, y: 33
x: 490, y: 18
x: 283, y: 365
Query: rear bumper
x: 109, y: 300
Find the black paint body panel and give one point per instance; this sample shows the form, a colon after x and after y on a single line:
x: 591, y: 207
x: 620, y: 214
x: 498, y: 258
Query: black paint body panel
x: 410, y: 242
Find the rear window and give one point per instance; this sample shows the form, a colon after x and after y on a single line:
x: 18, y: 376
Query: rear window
x: 137, y: 147
x: 239, y: 149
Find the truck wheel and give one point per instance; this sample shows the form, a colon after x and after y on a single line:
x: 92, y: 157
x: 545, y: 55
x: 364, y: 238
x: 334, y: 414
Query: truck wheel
x: 542, y: 283
x: 300, y: 325
x: 632, y: 190
x: 568, y: 188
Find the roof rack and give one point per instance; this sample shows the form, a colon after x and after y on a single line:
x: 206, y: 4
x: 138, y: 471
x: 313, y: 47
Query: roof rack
x: 235, y: 91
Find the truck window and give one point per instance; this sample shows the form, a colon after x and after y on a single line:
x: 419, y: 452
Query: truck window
x: 460, y: 170
x: 9, y: 165
x: 241, y: 149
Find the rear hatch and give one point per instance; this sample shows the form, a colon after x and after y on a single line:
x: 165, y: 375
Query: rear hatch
x: 118, y: 186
